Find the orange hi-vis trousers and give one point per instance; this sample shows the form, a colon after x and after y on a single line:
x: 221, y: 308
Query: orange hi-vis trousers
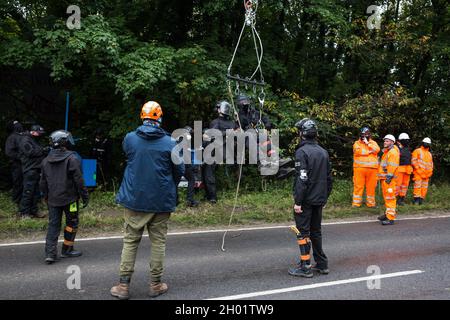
x: 390, y: 201
x: 364, y: 177
x: 420, y: 187
x: 402, y: 183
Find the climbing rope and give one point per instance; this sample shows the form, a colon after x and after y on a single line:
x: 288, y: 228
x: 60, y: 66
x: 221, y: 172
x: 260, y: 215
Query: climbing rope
x: 251, y: 7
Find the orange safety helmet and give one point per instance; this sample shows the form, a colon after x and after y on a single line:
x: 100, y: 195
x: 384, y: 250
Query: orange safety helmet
x: 151, y: 110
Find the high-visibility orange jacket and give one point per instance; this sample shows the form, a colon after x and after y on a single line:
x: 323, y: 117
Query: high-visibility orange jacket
x: 422, y: 161
x: 389, y: 163
x: 365, y: 155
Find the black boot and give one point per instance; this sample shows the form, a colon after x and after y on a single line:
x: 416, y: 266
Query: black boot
x: 416, y: 201
x: 302, y: 270
x: 401, y: 201
x: 382, y: 217
x: 69, y: 252
x: 420, y: 201
x: 50, y: 259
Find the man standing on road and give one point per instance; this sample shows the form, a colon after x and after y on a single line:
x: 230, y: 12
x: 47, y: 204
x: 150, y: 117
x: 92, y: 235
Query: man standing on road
x: 312, y: 187
x: 149, y: 194
x: 62, y: 186
x: 390, y: 161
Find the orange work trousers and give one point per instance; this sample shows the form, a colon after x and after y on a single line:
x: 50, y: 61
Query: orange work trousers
x: 364, y: 177
x: 402, y: 183
x: 390, y: 201
x: 420, y: 187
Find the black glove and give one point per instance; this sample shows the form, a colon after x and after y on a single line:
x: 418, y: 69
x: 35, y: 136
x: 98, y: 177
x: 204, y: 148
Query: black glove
x: 389, y: 178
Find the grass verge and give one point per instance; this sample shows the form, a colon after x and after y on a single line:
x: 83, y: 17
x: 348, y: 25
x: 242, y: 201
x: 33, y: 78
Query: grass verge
x: 253, y: 207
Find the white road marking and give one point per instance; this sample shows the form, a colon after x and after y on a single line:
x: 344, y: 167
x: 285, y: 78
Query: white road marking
x: 317, y: 285
x: 219, y: 231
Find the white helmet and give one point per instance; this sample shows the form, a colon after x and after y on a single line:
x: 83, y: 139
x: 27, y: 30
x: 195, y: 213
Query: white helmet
x: 427, y: 140
x: 390, y: 137
x: 403, y: 136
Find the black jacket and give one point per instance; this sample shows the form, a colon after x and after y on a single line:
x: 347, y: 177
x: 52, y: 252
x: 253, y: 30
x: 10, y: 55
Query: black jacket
x: 405, y: 156
x: 313, y: 182
x: 12, y: 146
x: 31, y: 153
x: 223, y: 124
x: 61, y: 180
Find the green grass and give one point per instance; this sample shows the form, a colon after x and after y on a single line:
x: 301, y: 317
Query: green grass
x: 253, y: 207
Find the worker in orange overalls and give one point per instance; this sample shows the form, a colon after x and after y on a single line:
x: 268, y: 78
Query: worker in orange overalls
x: 365, y: 166
x: 422, y: 161
x: 386, y: 173
x: 404, y: 170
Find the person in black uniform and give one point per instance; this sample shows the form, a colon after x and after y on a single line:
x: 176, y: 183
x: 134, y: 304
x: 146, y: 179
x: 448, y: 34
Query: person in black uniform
x: 190, y: 171
x: 12, y: 150
x: 101, y: 151
x: 249, y: 116
x: 223, y: 122
x: 312, y: 187
x: 31, y: 155
x: 62, y: 186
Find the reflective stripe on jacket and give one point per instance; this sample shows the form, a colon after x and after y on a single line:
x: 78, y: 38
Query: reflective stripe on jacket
x: 422, y: 161
x: 365, y: 155
x: 389, y: 162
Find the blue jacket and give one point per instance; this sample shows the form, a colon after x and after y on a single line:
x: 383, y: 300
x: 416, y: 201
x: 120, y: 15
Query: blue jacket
x: 151, y: 178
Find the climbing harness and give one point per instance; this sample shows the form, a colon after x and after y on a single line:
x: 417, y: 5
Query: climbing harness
x: 251, y: 8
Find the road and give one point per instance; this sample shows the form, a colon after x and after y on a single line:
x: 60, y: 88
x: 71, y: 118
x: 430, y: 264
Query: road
x: 413, y: 257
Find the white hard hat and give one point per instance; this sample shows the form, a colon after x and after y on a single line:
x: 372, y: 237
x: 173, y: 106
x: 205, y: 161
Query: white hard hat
x: 427, y: 140
x: 403, y: 136
x: 390, y: 137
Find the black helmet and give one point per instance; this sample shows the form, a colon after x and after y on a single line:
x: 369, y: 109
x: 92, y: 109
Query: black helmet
x: 307, y: 128
x: 225, y: 108
x: 61, y: 138
x: 243, y: 100
x: 38, y: 129
x: 365, y: 132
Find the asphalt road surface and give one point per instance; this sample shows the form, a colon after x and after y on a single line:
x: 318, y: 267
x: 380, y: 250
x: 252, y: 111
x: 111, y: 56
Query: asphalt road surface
x: 412, y: 257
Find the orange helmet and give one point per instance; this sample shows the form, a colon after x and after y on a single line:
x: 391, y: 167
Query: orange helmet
x: 151, y: 110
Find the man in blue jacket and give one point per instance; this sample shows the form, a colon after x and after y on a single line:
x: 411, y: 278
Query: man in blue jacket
x: 149, y: 194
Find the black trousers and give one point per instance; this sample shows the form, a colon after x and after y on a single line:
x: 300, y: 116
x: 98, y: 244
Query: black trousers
x: 17, y: 182
x: 309, y: 223
x: 30, y: 195
x: 209, y: 180
x: 189, y: 174
x: 54, y: 228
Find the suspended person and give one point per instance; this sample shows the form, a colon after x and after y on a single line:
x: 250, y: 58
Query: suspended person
x: 404, y: 170
x: 31, y: 154
x: 12, y: 151
x: 386, y: 173
x: 149, y: 194
x: 365, y: 168
x: 62, y: 186
x: 249, y: 116
x: 422, y: 161
x: 222, y: 123
x: 312, y: 187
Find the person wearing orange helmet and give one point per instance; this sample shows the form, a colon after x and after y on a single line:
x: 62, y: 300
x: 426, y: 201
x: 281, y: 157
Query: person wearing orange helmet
x: 386, y: 174
x: 422, y: 161
x: 365, y: 165
x: 149, y: 194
